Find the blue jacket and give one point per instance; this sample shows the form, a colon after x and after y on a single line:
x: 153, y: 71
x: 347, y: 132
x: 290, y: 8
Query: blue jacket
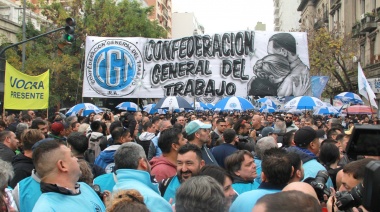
x: 171, y: 189
x: 86, y: 200
x: 258, y: 170
x: 222, y: 151
x: 106, y: 158
x: 28, y: 192
x: 140, y: 180
x: 310, y: 164
x: 242, y: 187
x: 246, y: 201
x: 155, y: 142
x: 105, y: 182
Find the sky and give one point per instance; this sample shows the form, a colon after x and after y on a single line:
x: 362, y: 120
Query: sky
x: 228, y: 15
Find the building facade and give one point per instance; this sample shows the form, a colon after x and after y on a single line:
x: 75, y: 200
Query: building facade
x: 357, y: 18
x: 11, y: 13
x: 162, y: 13
x: 286, y: 16
x: 185, y: 24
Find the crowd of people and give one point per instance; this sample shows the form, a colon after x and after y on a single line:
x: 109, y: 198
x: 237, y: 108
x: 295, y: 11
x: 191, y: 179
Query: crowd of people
x: 187, y: 161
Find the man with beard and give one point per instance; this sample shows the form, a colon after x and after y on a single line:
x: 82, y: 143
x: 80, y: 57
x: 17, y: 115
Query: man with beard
x: 198, y: 133
x: 270, y: 120
x: 189, y: 164
x: 289, y: 123
x: 132, y: 171
x: 245, y: 138
x: 217, y: 133
x: 40, y: 125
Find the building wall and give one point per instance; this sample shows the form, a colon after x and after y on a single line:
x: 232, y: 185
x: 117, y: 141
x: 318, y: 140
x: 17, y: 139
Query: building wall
x: 185, y: 24
x: 11, y: 19
x: 286, y: 16
x: 162, y: 13
x: 350, y: 17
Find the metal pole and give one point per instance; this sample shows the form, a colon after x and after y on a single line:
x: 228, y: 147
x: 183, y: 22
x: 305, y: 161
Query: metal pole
x: 23, y: 35
x: 30, y: 39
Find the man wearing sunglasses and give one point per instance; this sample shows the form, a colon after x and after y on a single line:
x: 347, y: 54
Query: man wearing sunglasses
x: 289, y: 123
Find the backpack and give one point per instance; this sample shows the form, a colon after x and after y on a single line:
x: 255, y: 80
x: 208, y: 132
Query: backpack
x: 95, y: 146
x: 163, y: 185
x: 147, y: 146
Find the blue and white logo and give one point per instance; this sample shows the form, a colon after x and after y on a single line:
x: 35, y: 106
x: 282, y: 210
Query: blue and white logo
x: 113, y: 67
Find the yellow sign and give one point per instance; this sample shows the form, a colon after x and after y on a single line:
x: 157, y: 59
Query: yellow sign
x: 23, y: 92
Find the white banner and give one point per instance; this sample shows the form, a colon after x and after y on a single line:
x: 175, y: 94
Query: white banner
x: 208, y: 67
x: 375, y: 84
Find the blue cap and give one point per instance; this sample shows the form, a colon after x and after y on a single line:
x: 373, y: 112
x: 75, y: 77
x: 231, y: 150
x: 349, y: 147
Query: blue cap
x: 195, y: 125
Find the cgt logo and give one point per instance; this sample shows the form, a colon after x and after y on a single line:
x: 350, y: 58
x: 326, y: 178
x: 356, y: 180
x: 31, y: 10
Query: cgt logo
x: 113, y: 67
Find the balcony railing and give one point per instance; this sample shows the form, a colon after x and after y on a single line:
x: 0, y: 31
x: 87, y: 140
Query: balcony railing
x: 356, y: 30
x: 368, y: 24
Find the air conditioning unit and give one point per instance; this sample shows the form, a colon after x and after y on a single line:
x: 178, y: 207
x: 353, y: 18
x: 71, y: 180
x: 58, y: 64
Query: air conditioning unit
x: 362, y: 16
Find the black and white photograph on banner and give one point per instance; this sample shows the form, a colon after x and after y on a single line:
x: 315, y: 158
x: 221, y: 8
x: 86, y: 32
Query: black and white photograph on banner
x: 281, y: 72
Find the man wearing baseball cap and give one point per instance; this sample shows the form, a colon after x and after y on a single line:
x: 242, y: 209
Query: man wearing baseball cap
x: 307, y: 146
x: 198, y: 133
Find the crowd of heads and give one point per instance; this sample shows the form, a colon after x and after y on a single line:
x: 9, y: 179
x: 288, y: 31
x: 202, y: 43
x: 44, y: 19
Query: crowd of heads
x: 244, y: 148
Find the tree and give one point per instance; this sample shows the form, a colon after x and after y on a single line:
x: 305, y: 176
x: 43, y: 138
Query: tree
x: 330, y: 54
x: 64, y: 60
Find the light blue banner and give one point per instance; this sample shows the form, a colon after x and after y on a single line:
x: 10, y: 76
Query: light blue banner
x: 318, y: 84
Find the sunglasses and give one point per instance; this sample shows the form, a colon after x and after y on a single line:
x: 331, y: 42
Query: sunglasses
x: 287, y: 117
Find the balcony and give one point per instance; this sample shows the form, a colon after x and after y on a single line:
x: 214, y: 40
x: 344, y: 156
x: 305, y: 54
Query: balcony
x: 368, y: 24
x: 276, y: 18
x: 356, y: 30
x: 165, y: 12
x: 334, y: 4
x: 276, y: 9
x: 319, y: 24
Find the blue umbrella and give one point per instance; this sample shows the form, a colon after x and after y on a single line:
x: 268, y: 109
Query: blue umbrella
x: 87, y: 109
x: 349, y: 97
x: 200, y: 106
x: 266, y: 101
x: 304, y: 102
x: 233, y: 103
x: 128, y: 106
x: 267, y: 109
x: 325, y: 110
x: 173, y: 102
x: 150, y: 109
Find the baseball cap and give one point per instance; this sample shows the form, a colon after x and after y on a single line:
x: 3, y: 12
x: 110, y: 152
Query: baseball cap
x: 195, y: 125
x: 304, y: 136
x: 269, y: 130
x: 57, y: 127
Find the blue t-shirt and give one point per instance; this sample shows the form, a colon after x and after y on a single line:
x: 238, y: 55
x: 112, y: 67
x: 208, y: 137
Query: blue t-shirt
x: 86, y: 200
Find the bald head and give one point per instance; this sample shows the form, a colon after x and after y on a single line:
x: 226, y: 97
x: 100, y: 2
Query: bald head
x: 256, y: 121
x: 164, y: 125
x: 301, y: 186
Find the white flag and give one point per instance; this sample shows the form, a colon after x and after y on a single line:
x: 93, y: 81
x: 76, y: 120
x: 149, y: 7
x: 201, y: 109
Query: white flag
x: 364, y: 88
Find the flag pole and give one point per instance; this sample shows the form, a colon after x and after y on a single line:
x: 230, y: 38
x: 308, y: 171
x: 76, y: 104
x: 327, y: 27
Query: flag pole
x: 370, y: 105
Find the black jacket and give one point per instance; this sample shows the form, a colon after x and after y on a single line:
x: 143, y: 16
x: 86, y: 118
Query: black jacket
x: 22, y: 167
x: 6, y: 153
